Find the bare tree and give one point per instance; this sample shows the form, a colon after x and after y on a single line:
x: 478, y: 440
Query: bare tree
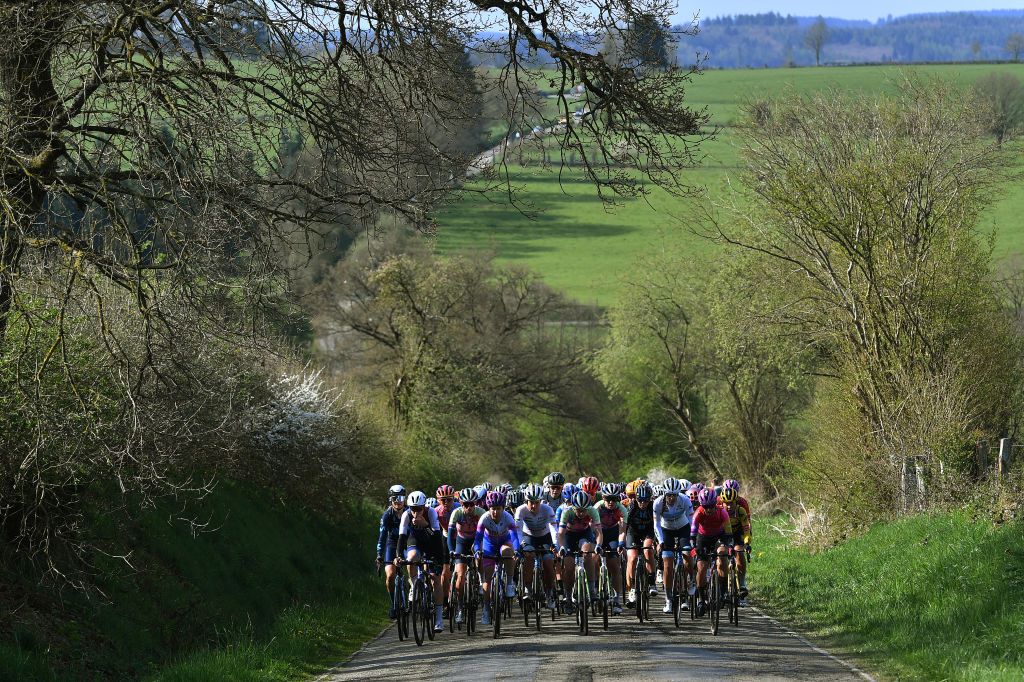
x: 975, y: 49
x: 1002, y: 95
x: 1015, y: 45
x: 143, y: 194
x: 815, y: 38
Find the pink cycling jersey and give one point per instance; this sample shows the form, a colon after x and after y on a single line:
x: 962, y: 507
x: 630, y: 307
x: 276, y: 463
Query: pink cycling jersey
x: 710, y: 522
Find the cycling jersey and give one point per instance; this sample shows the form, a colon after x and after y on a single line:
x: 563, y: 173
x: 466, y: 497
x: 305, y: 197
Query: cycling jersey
x: 610, y: 516
x: 538, y: 525
x: 640, y: 519
x: 579, y: 520
x: 491, y: 534
x: 672, y: 516
x: 739, y: 523
x: 463, y: 523
x: 423, y: 533
x: 387, y: 537
x: 444, y: 514
x: 710, y: 522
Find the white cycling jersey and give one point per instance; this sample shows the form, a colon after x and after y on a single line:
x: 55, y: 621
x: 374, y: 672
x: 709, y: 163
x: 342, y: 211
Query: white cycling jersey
x: 671, y: 517
x: 538, y: 524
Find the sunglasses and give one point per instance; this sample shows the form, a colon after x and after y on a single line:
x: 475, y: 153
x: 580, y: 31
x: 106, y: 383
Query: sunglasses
x: 445, y: 499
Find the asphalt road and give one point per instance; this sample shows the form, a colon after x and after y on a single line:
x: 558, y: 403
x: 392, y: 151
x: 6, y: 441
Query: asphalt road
x: 758, y: 649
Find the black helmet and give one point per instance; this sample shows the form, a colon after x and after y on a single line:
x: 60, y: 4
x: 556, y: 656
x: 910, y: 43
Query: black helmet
x: 556, y: 478
x: 515, y: 499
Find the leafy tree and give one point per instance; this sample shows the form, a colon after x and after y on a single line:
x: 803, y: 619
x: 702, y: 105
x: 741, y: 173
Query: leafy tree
x: 1015, y: 45
x: 815, y: 38
x: 975, y: 49
x: 1002, y: 95
x: 646, y: 43
x: 871, y: 205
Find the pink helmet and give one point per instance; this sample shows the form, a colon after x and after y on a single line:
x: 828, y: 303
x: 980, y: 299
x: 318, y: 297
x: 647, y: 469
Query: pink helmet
x: 708, y: 497
x: 731, y: 484
x: 495, y: 499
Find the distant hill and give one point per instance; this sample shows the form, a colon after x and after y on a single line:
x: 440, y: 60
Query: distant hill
x: 757, y: 40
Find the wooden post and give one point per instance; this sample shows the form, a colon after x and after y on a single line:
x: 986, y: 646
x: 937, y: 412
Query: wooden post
x: 981, y: 456
x: 1005, y: 455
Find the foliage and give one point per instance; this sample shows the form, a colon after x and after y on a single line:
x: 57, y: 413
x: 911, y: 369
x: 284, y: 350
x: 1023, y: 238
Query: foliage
x: 872, y: 206
x: 646, y: 44
x: 815, y: 38
x: 1003, y: 95
x: 930, y: 597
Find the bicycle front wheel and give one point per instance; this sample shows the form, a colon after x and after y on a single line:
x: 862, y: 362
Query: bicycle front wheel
x: 715, y: 607
x: 497, y: 601
x: 418, y: 621
x: 582, y: 602
x: 734, y: 594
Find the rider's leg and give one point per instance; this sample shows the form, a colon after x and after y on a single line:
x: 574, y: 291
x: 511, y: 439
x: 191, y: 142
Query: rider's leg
x: 508, y: 555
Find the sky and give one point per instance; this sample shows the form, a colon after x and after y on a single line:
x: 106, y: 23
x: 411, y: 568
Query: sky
x: 861, y: 9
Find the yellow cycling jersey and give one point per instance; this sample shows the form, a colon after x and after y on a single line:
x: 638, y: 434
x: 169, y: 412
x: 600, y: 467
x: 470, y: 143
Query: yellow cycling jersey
x: 739, y: 521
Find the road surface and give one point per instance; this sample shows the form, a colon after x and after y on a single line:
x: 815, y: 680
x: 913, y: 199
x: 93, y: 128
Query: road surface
x: 758, y: 649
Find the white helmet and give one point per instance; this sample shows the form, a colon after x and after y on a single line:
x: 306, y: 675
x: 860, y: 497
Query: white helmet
x: 534, y: 492
x: 672, y: 486
x: 416, y: 499
x: 396, y: 490
x: 685, y: 484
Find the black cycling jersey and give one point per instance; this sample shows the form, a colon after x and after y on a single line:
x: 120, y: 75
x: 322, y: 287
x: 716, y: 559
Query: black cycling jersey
x: 640, y: 519
x: 388, y: 532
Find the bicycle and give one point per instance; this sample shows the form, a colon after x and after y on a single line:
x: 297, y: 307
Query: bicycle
x: 422, y: 601
x: 500, y: 604
x: 581, y: 593
x: 733, y: 583
x: 713, y: 589
x: 680, y: 586
x: 536, y: 602
x: 469, y: 596
x: 605, y: 593
x: 400, y: 604
x: 641, y: 582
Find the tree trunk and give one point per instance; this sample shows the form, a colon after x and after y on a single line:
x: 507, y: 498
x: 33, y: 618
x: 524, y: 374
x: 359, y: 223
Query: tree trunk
x: 678, y: 410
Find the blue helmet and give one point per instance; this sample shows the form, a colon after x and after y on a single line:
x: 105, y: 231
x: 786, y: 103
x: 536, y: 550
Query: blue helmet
x: 568, y: 491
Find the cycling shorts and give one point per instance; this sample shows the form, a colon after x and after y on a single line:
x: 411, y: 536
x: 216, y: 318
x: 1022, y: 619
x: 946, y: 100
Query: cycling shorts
x: 610, y: 538
x: 706, y: 544
x: 574, y: 540
x: 635, y: 538
x: 542, y: 545
x: 390, y: 551
x: 463, y: 546
x: 677, y: 539
x: 434, y: 568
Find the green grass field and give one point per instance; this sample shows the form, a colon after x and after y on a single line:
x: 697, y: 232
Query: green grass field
x: 925, y: 598
x: 584, y: 249
x: 274, y: 594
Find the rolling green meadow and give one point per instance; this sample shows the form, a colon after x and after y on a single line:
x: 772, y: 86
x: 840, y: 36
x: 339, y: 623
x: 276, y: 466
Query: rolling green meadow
x: 584, y: 248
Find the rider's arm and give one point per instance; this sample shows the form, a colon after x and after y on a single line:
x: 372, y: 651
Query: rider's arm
x: 745, y: 522
x: 513, y: 535
x: 658, y: 506
x: 453, y: 528
x: 553, y: 526
x: 478, y: 541
x: 382, y: 533
x: 695, y: 521
x: 432, y: 518
x: 595, y: 516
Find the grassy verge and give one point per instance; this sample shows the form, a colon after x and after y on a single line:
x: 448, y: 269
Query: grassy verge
x: 931, y: 597
x: 273, y: 593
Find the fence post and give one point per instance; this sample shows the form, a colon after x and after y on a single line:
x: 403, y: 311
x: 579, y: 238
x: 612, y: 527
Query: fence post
x: 981, y: 456
x: 1005, y: 455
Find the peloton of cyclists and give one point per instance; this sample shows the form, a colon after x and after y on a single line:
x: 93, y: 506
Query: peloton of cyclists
x: 487, y: 524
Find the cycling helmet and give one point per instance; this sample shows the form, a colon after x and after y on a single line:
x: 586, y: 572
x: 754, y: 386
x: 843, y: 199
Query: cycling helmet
x: 417, y: 498
x: 611, y: 489
x: 672, y: 486
x: 568, y: 491
x: 445, y: 491
x: 515, y: 499
x: 729, y: 495
x: 432, y: 502
x: 556, y: 478
x: 700, y: 486
x: 707, y: 498
x: 524, y: 486
x: 733, y: 484
x: 644, y: 492
x: 659, y: 490
x: 684, y: 484
x: 487, y: 486
x: 396, y: 490
x: 580, y: 499
x: 481, y: 491
x: 504, y: 488
x: 631, y: 488
x: 495, y: 499
x: 534, y: 493
x: 467, y: 496
x: 547, y: 481
x: 590, y: 485
x: 693, y: 491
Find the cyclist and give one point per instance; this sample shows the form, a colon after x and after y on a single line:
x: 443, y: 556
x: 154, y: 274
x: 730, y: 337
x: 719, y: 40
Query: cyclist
x: 555, y: 483
x: 446, y: 504
x: 672, y: 515
x: 639, y: 536
x: 497, y: 538
x: 538, y: 531
x: 613, y: 526
x: 461, y: 535
x: 707, y: 530
x: 739, y: 525
x: 419, y: 537
x: 591, y: 486
x: 579, y: 528
x: 387, y: 538
x: 735, y: 485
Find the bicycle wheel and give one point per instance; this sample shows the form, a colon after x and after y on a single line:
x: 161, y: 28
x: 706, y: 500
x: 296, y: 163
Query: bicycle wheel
x: 714, y: 604
x: 398, y: 600
x: 582, y: 601
x: 472, y: 599
x: 640, y: 584
x: 497, y: 599
x: 604, y: 594
x: 734, y: 593
x: 418, y: 632
x: 538, y: 592
x: 453, y: 605
x: 678, y: 590
x: 693, y: 597
x: 429, y: 608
